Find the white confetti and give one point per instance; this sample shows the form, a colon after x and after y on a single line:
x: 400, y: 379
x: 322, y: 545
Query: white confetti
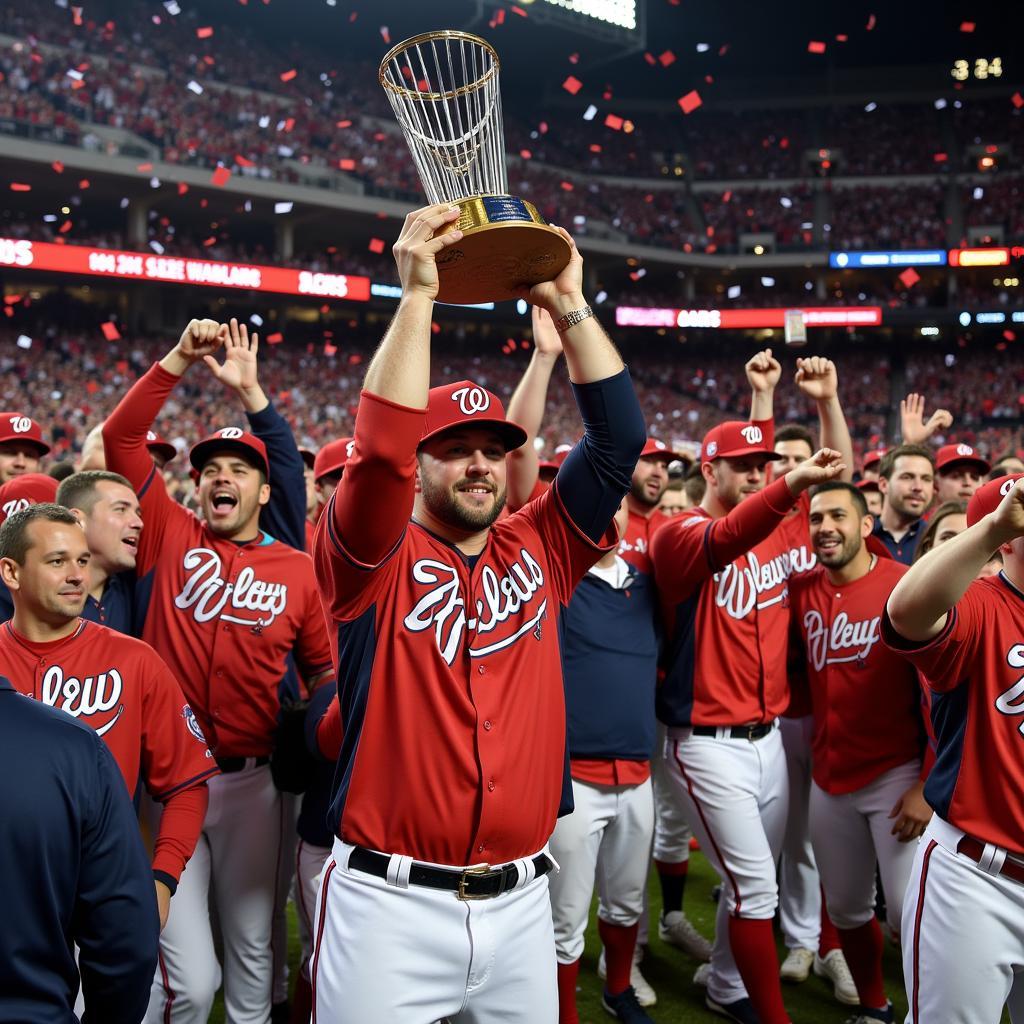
x: 733, y: 291
x: 786, y: 202
x: 871, y: 106
x: 768, y: 282
x: 283, y: 207
x: 590, y: 113
x: 195, y: 87
x: 703, y: 47
x: 24, y: 341
x: 940, y: 104
x: 156, y: 247
x: 256, y: 319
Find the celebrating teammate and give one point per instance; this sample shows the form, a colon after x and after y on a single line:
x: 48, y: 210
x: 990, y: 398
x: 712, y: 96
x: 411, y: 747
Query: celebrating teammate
x: 113, y: 683
x: 446, y: 642
x: 227, y: 606
x: 964, y: 634
x: 21, y: 445
x: 721, y: 573
x: 866, y: 767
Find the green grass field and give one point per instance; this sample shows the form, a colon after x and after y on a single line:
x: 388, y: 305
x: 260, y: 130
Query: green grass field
x: 670, y: 972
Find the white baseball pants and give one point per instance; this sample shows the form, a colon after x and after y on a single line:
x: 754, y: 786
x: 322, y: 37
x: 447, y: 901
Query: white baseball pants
x: 963, y: 935
x: 671, y: 829
x: 607, y: 837
x: 799, y: 885
x: 849, y: 833
x: 233, y: 873
x: 309, y: 866
x: 406, y: 954
x: 735, y: 794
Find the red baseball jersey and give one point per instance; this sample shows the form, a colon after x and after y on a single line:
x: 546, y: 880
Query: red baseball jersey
x: 449, y: 671
x: 223, y: 615
x: 635, y: 545
x: 975, y: 670
x: 796, y: 527
x: 723, y: 587
x: 121, y: 688
x: 865, y: 697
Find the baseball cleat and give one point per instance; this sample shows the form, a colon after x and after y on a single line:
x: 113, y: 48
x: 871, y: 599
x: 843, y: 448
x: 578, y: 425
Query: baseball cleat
x: 797, y: 965
x: 625, y: 1007
x: 645, y: 995
x: 833, y: 967
x: 677, y: 930
x: 742, y: 1010
x: 870, y: 1016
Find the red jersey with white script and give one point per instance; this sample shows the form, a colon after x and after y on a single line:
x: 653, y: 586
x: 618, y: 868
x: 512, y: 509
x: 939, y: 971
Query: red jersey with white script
x: 796, y: 528
x: 865, y: 696
x: 975, y: 669
x: 449, y: 673
x: 120, y: 688
x: 723, y: 587
x: 223, y: 615
x: 635, y: 545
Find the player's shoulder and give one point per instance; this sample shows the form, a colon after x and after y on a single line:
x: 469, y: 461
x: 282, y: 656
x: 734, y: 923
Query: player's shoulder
x: 94, y: 634
x: 890, y: 569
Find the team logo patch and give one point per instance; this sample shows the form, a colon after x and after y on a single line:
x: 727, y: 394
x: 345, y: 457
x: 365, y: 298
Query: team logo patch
x: 21, y: 424
x: 712, y: 450
x: 964, y: 449
x: 472, y: 400
x: 192, y: 724
x: 15, y: 505
x: 150, y: 435
x: 752, y: 434
x: 1006, y: 487
x: 230, y: 433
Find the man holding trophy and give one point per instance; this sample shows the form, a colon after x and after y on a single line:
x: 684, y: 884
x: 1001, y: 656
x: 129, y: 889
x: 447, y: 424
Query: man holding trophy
x: 451, y: 708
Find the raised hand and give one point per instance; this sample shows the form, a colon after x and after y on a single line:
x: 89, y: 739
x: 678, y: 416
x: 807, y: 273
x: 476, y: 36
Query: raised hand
x: 563, y: 293
x: 763, y: 371
x: 545, y: 337
x: 816, y: 377
x: 425, y: 233
x: 913, y: 428
x: 200, y: 339
x: 239, y: 369
x: 824, y: 464
x: 1008, y: 518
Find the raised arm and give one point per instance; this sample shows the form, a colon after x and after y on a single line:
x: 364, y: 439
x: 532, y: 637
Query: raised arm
x: 818, y: 379
x: 921, y: 601
x: 526, y: 407
x: 913, y: 428
x: 763, y: 371
x: 284, y: 516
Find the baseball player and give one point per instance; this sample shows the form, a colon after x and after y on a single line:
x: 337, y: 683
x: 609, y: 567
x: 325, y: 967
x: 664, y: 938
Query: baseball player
x: 866, y: 767
x: 959, y: 472
x: 722, y: 575
x: 21, y: 445
x: 445, y: 632
x: 963, y: 915
x: 115, y: 684
x: 226, y: 606
x: 28, y: 489
x: 610, y: 654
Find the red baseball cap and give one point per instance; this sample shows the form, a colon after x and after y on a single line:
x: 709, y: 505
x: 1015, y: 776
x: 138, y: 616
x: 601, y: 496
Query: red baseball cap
x: 230, y: 439
x: 333, y: 457
x: 15, y: 426
x: 872, y: 457
x: 733, y: 439
x: 950, y: 454
x: 158, y: 446
x: 655, y: 448
x: 308, y: 457
x: 868, y: 485
x: 465, y: 403
x: 987, y: 497
x: 27, y: 489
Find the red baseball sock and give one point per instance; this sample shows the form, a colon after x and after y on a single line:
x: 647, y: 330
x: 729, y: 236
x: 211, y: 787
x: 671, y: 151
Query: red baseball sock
x: 567, y: 1013
x: 619, y: 942
x: 753, y: 948
x: 302, y: 1000
x: 829, y: 935
x: 862, y: 948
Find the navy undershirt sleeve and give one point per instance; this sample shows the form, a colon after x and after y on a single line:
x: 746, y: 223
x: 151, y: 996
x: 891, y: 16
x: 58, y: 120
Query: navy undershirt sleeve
x: 284, y: 516
x: 597, y: 472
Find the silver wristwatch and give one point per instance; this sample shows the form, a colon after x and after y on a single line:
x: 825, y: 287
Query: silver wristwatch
x: 573, y: 317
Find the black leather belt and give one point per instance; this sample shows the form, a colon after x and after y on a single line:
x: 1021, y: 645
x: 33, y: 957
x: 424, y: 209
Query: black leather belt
x: 235, y: 764
x: 477, y: 883
x: 736, y: 732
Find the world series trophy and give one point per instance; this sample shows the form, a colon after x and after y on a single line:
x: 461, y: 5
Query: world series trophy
x: 443, y: 88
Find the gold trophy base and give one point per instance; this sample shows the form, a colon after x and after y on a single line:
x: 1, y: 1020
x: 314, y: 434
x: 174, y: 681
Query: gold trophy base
x: 505, y: 245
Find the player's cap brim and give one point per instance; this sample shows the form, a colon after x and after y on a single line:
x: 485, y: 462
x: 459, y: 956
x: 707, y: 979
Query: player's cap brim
x: 512, y: 435
x: 739, y: 453
x: 201, y: 453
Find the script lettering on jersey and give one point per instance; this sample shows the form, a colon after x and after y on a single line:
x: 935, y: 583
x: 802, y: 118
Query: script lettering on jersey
x: 248, y: 601
x: 737, y: 587
x: 503, y: 597
x: 1011, y: 701
x: 83, y: 698
x: 829, y: 646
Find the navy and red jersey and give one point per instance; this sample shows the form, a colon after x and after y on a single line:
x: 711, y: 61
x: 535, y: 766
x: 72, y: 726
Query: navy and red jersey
x: 723, y: 588
x: 449, y: 667
x: 223, y: 615
x: 975, y: 670
x: 865, y: 697
x: 120, y: 688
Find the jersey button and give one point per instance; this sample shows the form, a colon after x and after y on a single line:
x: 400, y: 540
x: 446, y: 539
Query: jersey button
x: 481, y: 670
x: 481, y: 848
x: 490, y: 786
x: 487, y: 725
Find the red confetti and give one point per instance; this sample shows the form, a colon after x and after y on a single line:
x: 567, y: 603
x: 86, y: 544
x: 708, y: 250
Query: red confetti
x: 842, y: 37
x: 723, y: 49
x: 872, y: 22
x: 567, y: 186
x: 651, y: 59
x: 343, y: 124
x: 77, y: 84
x: 614, y: 122
x: 385, y: 34
x: 289, y: 124
x: 65, y: 227
x: 59, y: 167
x: 17, y: 186
x: 690, y: 102
x: 967, y: 26
x: 815, y: 47
x: 709, y: 79
x: 572, y: 85
x: 519, y: 11
x: 347, y: 164
x: 287, y: 76
x: 329, y: 349
x: 1009, y: 335
x: 376, y: 245
x: 76, y: 15
x: 910, y: 277
x: 84, y: 183
x: 355, y: 359
x: 940, y: 158
x: 276, y: 338
x: 220, y: 176
x: 205, y: 32
x: 1017, y: 100
x: 145, y: 168
x: 182, y: 188
x: 242, y: 161
x: 574, y: 58
x: 666, y: 59
x: 110, y: 331
x: 525, y: 154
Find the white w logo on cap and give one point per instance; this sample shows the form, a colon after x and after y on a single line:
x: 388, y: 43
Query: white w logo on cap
x: 21, y: 424
x: 350, y: 448
x: 964, y: 449
x: 230, y: 433
x: 1007, y: 486
x: 752, y: 434
x: 472, y: 400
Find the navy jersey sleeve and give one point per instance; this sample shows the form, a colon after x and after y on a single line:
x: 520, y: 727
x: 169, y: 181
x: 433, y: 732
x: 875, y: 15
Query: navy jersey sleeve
x: 284, y: 516
x: 6, y: 604
x: 115, y: 922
